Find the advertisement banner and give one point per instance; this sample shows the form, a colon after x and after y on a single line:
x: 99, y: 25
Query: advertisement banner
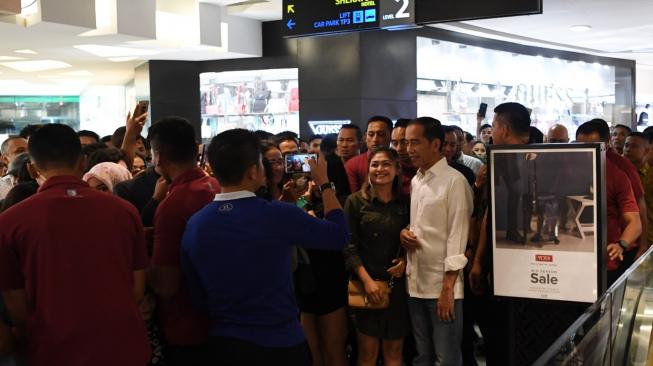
x: 545, y: 221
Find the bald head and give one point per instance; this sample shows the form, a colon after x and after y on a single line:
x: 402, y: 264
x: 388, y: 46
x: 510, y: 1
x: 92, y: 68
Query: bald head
x: 557, y: 134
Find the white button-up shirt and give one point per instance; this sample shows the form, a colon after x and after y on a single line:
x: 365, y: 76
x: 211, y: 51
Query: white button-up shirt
x: 440, y: 209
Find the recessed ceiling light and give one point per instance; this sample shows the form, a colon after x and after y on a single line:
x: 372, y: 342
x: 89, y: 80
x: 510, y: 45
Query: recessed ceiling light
x: 111, y: 51
x: 581, y: 28
x: 122, y: 59
x: 9, y: 58
x: 26, y: 52
x: 32, y: 66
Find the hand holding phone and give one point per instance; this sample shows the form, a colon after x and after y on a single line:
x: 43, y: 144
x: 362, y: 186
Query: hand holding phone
x: 141, y: 108
x: 298, y: 163
x: 482, y: 110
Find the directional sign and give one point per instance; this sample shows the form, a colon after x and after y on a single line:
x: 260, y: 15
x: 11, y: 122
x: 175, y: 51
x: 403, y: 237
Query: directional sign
x: 303, y: 17
x: 310, y: 17
x: 397, y: 13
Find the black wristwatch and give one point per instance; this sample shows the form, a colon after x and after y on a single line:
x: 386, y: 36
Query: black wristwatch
x: 328, y: 185
x: 624, y: 244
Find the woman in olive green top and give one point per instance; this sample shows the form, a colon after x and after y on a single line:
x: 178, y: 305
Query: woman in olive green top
x: 376, y: 215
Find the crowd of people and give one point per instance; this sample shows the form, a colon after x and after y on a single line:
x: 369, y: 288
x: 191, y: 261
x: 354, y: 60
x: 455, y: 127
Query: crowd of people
x: 130, y: 251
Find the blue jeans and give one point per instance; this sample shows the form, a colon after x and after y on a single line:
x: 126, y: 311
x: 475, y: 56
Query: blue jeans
x: 438, y: 342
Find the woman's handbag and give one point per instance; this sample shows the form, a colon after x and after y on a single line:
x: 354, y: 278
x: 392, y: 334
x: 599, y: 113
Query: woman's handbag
x: 358, y: 297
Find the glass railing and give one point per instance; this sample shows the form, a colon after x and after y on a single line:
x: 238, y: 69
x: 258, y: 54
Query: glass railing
x: 614, y: 331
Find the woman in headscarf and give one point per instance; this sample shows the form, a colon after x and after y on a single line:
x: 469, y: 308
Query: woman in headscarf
x: 105, y: 176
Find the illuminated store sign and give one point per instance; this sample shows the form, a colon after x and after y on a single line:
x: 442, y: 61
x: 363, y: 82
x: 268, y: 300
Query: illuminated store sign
x: 327, y: 127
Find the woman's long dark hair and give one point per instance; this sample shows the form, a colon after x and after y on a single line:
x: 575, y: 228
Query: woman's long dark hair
x: 367, y: 189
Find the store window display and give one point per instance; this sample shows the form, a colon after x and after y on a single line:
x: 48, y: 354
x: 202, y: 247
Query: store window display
x: 16, y: 112
x: 265, y: 100
x: 454, y: 79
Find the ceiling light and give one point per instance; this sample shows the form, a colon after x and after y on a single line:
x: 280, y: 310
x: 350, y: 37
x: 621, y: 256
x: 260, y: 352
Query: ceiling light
x: 581, y: 28
x: 32, y: 66
x: 111, y: 51
x: 9, y: 58
x: 122, y: 59
x: 27, y: 52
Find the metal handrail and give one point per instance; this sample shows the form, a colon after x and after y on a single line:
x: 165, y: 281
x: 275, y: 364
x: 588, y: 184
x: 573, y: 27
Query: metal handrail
x: 554, y: 349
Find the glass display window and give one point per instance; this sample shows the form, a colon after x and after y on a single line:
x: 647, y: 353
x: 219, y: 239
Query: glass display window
x: 16, y: 112
x: 256, y: 100
x: 454, y: 79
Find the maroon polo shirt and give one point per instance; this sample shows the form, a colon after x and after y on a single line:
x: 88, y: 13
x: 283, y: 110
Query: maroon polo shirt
x: 190, y: 192
x: 357, y: 169
x: 629, y: 169
x: 74, y: 250
x: 620, y: 199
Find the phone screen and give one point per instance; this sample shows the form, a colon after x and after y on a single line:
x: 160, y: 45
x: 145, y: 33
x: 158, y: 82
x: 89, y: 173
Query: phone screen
x: 298, y: 163
x: 482, y: 110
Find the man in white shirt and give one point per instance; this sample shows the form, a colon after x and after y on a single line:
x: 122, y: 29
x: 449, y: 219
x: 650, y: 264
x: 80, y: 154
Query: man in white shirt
x: 441, y: 206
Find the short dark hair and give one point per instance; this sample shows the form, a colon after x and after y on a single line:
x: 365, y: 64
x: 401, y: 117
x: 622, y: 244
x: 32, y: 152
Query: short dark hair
x: 402, y: 123
x: 87, y: 133
x: 448, y: 129
x: 432, y: 128
x: 54, y: 144
x: 384, y: 119
x: 105, y: 155
x: 264, y: 135
x: 105, y: 139
x: 286, y: 136
x: 29, y: 130
x: 641, y: 135
x: 624, y: 127
x: 231, y: 153
x: 315, y: 137
x: 535, y: 136
x: 175, y: 138
x: 649, y: 132
x: 485, y: 126
x: 351, y: 126
x: 596, y: 125
x: 329, y: 143
x: 118, y: 136
x: 88, y: 150
x: 516, y: 116
x: 468, y: 137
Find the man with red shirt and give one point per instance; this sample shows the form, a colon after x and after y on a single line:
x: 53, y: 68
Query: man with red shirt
x: 72, y: 264
x: 624, y: 225
x: 640, y: 245
x: 174, y: 152
x: 378, y: 133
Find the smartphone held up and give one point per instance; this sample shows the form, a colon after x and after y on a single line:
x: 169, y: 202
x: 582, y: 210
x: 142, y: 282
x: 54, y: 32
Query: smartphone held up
x: 298, y: 163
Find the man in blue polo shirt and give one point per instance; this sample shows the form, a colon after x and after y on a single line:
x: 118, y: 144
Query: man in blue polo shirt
x: 236, y: 257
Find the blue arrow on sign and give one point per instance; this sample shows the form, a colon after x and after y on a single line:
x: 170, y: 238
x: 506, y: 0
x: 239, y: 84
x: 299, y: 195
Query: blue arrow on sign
x: 290, y: 24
